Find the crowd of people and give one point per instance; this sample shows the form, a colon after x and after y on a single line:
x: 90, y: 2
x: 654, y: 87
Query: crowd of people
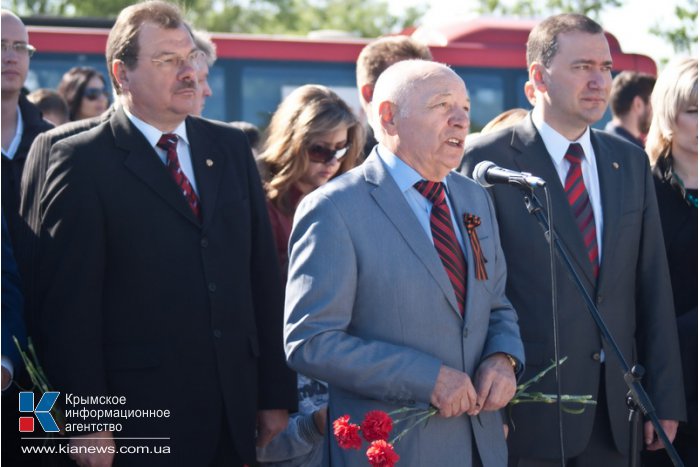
x: 258, y: 286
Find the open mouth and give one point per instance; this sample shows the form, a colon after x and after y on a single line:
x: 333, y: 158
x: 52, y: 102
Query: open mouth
x: 456, y: 142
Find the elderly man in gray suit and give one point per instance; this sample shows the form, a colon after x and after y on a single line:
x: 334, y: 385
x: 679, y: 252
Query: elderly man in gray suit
x: 395, y: 296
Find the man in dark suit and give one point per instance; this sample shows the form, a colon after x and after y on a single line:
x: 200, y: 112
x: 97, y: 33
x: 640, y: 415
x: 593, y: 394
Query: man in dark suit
x: 157, y: 269
x: 21, y: 120
x: 33, y: 178
x: 617, y: 249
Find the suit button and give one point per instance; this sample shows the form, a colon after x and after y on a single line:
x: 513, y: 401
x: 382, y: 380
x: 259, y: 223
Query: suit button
x: 599, y: 299
x: 217, y: 333
x: 465, y: 332
x: 596, y: 356
x: 204, y: 242
x: 212, y: 287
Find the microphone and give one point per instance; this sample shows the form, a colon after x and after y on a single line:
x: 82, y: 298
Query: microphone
x: 487, y: 174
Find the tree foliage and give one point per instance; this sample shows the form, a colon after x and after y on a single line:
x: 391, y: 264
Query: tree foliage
x: 684, y: 34
x: 364, y: 18
x: 591, y: 8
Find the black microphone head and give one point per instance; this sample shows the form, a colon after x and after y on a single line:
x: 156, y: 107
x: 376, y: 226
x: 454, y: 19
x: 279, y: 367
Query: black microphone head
x: 479, y: 173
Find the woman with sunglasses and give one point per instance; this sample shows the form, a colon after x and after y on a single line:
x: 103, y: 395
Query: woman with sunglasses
x: 83, y: 89
x: 313, y: 137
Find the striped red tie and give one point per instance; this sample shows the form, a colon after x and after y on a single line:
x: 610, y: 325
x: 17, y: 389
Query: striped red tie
x: 168, y: 142
x: 445, y: 240
x: 580, y: 203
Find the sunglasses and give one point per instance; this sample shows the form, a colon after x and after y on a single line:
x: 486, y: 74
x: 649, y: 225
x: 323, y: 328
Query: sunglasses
x: 323, y: 155
x: 93, y: 94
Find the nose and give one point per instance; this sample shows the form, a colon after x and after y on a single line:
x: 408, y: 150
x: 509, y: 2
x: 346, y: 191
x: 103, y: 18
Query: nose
x: 459, y: 118
x: 598, y: 79
x: 188, y: 72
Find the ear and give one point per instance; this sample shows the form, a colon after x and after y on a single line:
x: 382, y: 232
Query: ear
x: 120, y: 75
x: 537, y: 74
x: 638, y: 105
x: 387, y: 117
x: 367, y: 90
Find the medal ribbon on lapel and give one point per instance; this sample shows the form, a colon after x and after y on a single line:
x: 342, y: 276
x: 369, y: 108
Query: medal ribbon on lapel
x: 471, y: 222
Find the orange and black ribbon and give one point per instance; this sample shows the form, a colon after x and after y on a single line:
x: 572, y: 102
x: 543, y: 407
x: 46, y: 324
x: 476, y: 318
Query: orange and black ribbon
x: 471, y: 222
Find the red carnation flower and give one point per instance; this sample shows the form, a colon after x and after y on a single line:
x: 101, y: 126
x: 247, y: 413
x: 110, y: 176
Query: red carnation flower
x: 376, y: 425
x: 346, y: 433
x: 381, y: 454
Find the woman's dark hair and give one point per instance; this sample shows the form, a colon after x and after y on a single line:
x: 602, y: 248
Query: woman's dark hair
x: 73, y: 84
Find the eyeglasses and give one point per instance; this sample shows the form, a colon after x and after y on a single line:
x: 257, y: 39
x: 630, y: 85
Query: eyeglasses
x: 20, y: 48
x: 173, y: 62
x: 322, y: 155
x: 92, y: 94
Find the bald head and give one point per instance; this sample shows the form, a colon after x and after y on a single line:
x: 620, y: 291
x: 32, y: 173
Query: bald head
x: 397, y: 82
x: 420, y: 112
x: 15, y: 55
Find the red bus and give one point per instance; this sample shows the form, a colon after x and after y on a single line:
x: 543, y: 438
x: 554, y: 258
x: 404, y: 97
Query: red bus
x: 254, y: 72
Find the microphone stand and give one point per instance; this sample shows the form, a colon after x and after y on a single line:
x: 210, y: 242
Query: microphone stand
x: 632, y: 376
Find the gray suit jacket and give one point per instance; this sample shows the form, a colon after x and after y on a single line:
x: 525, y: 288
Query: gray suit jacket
x: 370, y: 309
x: 632, y: 292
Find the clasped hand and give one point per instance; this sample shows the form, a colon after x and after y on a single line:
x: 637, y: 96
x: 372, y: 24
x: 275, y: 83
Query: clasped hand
x: 454, y: 393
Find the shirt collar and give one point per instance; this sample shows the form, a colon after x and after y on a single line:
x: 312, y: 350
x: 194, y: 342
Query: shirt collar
x: 403, y: 174
x: 152, y: 133
x: 556, y: 144
x: 14, y: 144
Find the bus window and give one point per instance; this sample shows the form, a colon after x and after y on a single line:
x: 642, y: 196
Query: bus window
x: 486, y: 95
x: 263, y: 84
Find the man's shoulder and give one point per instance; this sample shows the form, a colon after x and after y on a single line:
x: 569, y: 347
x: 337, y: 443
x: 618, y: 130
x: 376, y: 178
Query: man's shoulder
x: 501, y: 137
x: 31, y: 116
x: 68, y: 129
x: 612, y: 145
x: 215, y: 127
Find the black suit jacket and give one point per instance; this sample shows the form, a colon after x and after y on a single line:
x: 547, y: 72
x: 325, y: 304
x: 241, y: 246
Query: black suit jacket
x: 143, y: 300
x: 12, y: 169
x: 632, y: 292
x: 33, y: 178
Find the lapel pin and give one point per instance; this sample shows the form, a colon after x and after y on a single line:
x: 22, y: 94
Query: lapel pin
x: 209, y: 162
x: 616, y: 165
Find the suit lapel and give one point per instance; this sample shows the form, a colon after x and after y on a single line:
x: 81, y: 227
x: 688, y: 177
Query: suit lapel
x: 208, y: 167
x: 532, y: 156
x: 461, y: 203
x: 144, y: 163
x: 612, y: 188
x: 392, y: 202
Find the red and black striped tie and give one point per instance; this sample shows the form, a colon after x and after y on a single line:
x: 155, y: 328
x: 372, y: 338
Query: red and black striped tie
x: 168, y: 142
x: 580, y: 203
x: 444, y: 238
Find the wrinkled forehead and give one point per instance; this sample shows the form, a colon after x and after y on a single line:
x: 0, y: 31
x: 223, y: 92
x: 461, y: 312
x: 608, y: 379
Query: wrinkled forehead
x: 579, y: 45
x: 154, y: 39
x: 443, y: 84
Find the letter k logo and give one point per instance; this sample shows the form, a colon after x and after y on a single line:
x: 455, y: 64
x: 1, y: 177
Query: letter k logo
x: 42, y: 411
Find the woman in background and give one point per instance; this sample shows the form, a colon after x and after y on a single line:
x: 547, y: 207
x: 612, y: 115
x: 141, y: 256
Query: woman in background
x: 83, y: 89
x: 313, y: 137
x: 672, y: 146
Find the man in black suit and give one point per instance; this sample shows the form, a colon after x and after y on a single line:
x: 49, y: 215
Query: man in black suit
x: 157, y: 268
x: 607, y: 218
x: 21, y: 120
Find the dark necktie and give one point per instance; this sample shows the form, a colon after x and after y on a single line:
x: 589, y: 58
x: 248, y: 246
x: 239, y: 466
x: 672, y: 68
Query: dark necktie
x: 168, y: 142
x: 444, y: 238
x: 580, y: 203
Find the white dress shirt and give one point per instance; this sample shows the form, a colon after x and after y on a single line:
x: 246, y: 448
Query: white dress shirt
x: 557, y: 145
x: 153, y: 135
